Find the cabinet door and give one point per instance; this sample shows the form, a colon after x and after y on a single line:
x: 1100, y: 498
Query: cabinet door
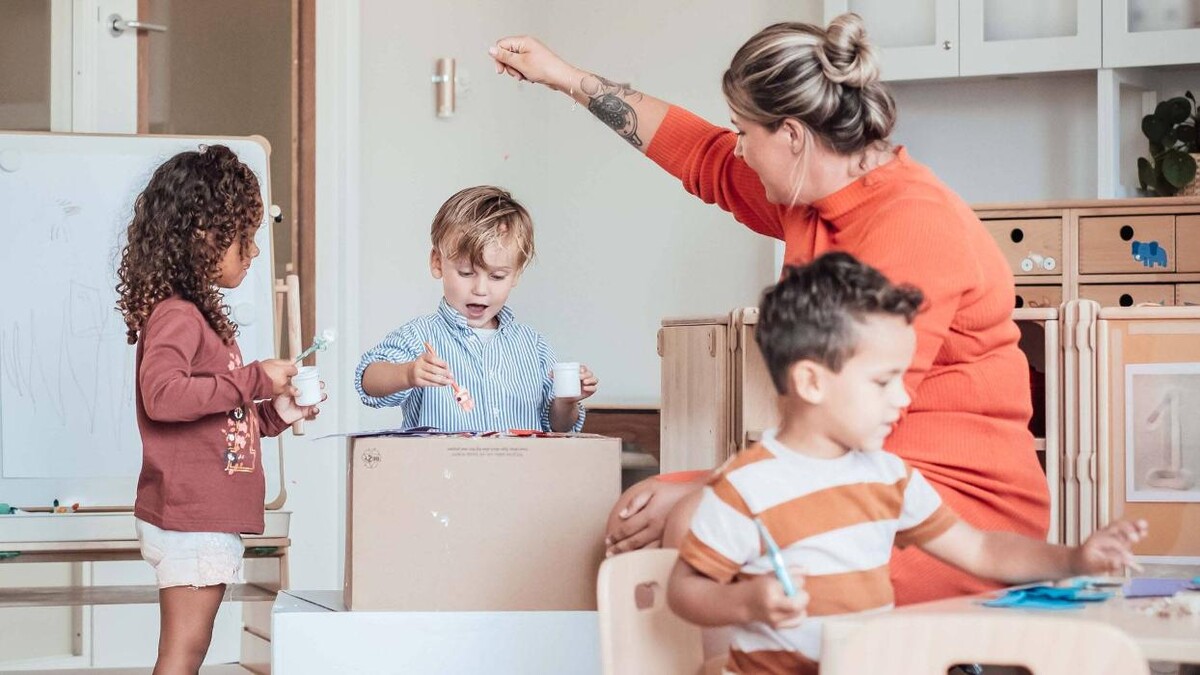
x: 1032, y: 246
x: 1187, y: 295
x: 1151, y: 32
x: 1028, y: 36
x: 756, y: 406
x: 1187, y: 243
x: 1039, y: 297
x: 1126, y: 244
x: 695, y: 396
x: 916, y: 40
x: 1128, y: 295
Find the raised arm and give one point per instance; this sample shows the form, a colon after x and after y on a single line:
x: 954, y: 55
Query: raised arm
x: 632, y: 114
x: 700, y: 154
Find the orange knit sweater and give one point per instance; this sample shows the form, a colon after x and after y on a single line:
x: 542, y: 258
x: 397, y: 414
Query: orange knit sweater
x: 966, y: 429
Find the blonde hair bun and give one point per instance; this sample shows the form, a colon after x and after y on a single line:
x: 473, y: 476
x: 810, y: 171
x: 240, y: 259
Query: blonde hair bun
x: 846, y: 56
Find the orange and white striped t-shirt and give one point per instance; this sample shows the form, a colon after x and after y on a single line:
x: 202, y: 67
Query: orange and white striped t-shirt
x: 835, y: 518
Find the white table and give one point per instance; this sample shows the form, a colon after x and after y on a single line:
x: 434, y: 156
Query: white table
x: 1161, y: 639
x: 313, y: 633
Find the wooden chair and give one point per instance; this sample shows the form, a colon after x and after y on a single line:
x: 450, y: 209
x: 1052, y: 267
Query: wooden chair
x: 929, y: 644
x: 639, y: 634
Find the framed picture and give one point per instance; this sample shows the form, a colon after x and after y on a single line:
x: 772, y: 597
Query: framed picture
x: 1146, y: 461
x: 1162, y: 432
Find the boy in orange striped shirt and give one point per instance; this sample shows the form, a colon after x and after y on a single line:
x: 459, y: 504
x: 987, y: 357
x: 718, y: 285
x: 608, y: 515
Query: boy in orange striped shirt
x: 837, y: 338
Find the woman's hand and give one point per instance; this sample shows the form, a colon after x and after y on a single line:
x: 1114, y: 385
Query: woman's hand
x: 639, y: 517
x: 525, y: 58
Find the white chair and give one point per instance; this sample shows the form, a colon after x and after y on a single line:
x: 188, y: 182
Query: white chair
x: 929, y: 644
x: 639, y: 634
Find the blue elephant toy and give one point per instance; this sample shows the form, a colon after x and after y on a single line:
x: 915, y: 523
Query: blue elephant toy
x: 1149, y: 253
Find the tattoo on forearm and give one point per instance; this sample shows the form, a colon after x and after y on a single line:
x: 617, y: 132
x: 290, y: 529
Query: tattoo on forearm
x: 607, y: 100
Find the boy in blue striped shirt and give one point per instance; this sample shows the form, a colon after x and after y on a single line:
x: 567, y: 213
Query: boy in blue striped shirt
x: 482, y: 241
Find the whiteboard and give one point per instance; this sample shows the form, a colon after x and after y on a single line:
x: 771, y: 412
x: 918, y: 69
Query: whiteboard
x: 68, y: 423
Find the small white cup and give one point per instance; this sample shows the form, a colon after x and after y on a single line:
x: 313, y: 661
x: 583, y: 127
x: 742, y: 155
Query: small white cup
x: 566, y: 380
x: 308, y: 381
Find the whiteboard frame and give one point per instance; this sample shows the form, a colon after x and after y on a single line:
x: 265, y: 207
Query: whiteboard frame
x: 276, y: 500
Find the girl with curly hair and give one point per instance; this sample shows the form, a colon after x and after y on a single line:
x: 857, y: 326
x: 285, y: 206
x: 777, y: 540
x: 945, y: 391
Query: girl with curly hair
x: 201, y: 410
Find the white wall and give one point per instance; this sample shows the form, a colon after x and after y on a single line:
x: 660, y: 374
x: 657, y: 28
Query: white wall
x: 1004, y: 139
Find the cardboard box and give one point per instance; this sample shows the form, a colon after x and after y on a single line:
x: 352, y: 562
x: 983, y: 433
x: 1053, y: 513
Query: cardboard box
x: 478, y: 523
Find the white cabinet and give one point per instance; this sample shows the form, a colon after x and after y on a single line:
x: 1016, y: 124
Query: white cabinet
x: 917, y: 40
x: 927, y: 39
x: 1151, y: 32
x: 1028, y: 36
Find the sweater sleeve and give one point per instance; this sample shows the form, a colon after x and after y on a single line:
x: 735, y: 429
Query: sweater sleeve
x: 170, y: 392
x: 923, y: 244
x: 271, y: 424
x: 701, y: 155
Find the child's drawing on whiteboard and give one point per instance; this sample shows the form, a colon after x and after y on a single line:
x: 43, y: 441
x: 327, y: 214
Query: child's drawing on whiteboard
x: 1162, y: 432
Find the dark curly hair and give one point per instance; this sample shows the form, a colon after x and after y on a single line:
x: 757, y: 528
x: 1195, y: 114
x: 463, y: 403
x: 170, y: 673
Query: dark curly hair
x: 194, y: 207
x: 810, y: 314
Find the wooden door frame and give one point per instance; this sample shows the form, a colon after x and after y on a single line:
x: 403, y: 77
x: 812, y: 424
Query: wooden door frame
x: 302, y: 255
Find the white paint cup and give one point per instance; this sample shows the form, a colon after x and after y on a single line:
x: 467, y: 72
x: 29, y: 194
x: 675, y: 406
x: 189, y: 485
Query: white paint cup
x: 308, y: 381
x: 566, y: 380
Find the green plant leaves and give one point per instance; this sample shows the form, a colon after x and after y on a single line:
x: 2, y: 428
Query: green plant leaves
x: 1146, y: 174
x: 1179, y: 168
x: 1155, y: 127
x: 1173, y: 110
x: 1186, y: 133
x: 1173, y: 133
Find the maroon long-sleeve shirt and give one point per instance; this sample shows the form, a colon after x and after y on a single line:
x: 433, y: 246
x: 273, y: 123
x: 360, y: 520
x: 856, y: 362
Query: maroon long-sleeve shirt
x: 200, y: 426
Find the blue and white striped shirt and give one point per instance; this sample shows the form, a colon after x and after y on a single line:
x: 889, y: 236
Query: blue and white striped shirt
x: 508, y: 375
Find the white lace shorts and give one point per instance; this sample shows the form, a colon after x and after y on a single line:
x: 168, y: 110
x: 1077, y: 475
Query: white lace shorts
x: 191, y: 558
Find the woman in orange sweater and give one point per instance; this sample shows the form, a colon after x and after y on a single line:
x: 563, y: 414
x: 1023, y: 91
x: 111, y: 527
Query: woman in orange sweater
x: 810, y: 164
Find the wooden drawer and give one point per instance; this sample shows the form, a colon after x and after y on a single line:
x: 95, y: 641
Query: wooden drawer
x: 1106, y: 244
x: 1039, y: 296
x: 1187, y: 243
x: 1187, y: 294
x: 256, y: 654
x: 1128, y: 295
x: 1031, y: 246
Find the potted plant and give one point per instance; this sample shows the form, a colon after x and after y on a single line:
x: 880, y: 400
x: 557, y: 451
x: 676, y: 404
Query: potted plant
x: 1174, y: 148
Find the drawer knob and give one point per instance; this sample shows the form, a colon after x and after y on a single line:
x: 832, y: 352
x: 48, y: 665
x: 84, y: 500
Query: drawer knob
x: 1016, y: 235
x: 1126, y: 232
x: 1126, y: 300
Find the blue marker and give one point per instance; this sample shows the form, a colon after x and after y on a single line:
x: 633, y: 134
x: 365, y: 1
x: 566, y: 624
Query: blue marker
x: 776, y: 560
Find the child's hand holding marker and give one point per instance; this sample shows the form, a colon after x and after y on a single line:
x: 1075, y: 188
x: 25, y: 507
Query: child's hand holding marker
x: 430, y: 361
x: 280, y: 371
x: 779, y: 602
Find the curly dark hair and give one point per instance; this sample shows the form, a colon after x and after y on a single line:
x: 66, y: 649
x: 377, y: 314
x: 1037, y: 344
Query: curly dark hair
x: 194, y: 207
x: 811, y: 313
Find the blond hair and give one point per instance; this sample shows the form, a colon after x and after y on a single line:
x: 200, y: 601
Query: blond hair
x: 475, y: 218
x: 827, y: 79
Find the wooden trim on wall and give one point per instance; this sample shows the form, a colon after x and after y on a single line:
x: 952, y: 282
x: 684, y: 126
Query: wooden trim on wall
x: 304, y: 179
x: 143, y: 70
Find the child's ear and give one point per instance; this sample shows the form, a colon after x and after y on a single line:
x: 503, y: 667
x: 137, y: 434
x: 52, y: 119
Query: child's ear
x: 806, y: 380
x: 435, y: 263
